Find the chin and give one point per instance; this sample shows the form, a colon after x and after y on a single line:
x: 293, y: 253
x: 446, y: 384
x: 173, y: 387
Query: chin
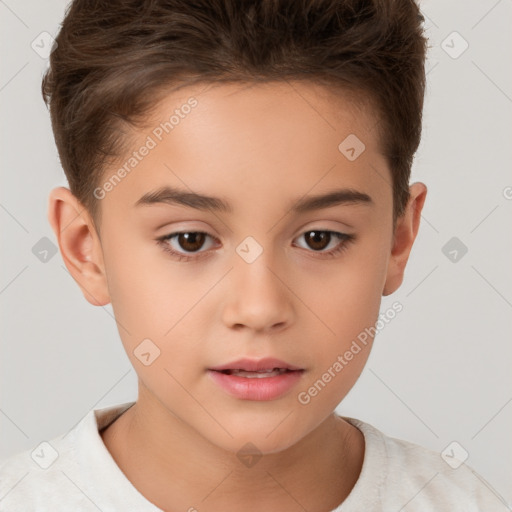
x: 269, y: 434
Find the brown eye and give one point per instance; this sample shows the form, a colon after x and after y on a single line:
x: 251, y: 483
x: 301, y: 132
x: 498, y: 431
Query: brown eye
x: 325, y: 242
x: 317, y: 240
x: 189, y: 245
x: 183, y: 243
x: 192, y: 241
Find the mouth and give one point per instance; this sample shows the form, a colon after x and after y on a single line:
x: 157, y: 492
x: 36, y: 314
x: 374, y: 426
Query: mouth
x: 261, y: 374
x: 264, y: 379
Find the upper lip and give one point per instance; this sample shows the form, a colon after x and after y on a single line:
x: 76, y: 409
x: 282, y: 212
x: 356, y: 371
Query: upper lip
x: 254, y: 365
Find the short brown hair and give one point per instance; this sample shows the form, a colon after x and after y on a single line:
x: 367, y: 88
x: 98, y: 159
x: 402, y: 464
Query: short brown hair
x: 113, y: 58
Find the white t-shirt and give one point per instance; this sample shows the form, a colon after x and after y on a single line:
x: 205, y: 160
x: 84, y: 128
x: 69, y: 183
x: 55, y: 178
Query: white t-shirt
x: 75, y: 472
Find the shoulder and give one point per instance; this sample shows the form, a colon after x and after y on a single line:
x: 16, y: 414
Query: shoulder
x: 409, y: 476
x: 40, y: 478
x: 439, y: 480
x: 69, y: 472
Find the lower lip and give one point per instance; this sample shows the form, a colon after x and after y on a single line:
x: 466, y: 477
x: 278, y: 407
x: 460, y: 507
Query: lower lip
x: 265, y: 388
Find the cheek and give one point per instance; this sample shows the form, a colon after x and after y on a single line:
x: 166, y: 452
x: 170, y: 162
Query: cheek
x: 156, y: 304
x: 348, y: 304
x: 148, y: 292
x: 350, y: 295
x: 343, y: 343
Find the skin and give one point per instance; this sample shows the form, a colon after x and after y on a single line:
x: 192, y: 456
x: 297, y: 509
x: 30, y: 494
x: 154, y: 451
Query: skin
x: 259, y: 147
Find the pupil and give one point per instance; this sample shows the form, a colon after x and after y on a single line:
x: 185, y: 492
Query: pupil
x: 194, y: 241
x: 318, y: 237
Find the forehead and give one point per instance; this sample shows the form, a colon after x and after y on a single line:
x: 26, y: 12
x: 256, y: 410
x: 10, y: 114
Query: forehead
x: 319, y: 107
x: 244, y: 141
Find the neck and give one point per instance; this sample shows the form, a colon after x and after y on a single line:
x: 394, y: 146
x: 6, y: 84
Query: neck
x: 176, y: 468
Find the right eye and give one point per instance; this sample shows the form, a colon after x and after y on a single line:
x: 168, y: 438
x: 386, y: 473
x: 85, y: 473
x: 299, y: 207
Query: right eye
x: 190, y: 241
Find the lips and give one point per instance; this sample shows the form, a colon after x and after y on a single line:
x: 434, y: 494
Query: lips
x: 264, y: 379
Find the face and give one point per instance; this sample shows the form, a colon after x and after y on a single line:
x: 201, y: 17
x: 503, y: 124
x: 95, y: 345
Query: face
x: 260, y: 274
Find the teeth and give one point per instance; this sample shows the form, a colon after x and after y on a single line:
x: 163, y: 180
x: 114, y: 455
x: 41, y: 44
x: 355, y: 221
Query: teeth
x: 261, y: 374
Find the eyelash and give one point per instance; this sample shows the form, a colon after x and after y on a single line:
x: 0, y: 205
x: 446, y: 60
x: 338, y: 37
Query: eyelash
x: 345, y: 239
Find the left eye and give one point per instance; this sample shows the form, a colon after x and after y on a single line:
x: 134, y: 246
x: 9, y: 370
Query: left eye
x: 320, y: 239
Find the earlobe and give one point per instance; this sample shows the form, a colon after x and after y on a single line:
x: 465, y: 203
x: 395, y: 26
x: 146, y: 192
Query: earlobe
x: 405, y: 233
x: 79, y: 244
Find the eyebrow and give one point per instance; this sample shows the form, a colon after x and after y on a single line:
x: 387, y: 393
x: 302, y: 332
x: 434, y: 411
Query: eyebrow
x: 171, y: 196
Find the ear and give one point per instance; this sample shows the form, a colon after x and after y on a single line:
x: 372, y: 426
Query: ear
x: 405, y: 233
x: 79, y: 244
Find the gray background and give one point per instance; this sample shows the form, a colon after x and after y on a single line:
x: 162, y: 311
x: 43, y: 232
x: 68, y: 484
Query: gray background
x: 439, y: 372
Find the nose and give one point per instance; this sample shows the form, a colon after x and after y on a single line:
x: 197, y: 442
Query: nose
x: 258, y: 297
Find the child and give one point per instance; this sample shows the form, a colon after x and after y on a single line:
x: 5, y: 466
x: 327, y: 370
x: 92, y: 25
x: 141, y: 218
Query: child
x: 279, y: 134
